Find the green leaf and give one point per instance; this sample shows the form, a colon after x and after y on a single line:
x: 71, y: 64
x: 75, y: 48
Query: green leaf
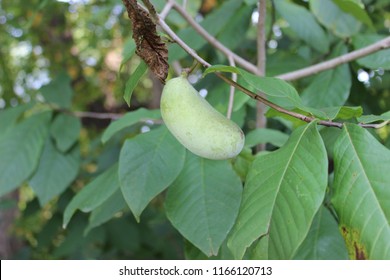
x: 331, y: 87
x: 324, y: 241
x: 55, y: 172
x: 132, y: 82
x: 276, y: 90
x: 374, y: 118
x: 235, y: 31
x: 303, y: 23
x: 361, y: 194
x: 376, y: 60
x: 265, y: 135
x: 129, y: 119
x: 128, y: 51
x: 9, y: 116
x: 202, y: 203
x: 148, y: 164
x: 94, y: 194
x: 20, y: 149
x: 355, y: 9
x: 106, y: 211
x: 213, y: 24
x: 330, y: 15
x: 59, y: 91
x: 282, y: 193
x: 65, y: 131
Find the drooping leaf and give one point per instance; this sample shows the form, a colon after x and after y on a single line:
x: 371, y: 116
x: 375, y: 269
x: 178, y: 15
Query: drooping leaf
x: 331, y: 87
x: 20, y: 150
x: 361, y: 193
x: 342, y: 24
x: 132, y: 82
x: 59, y: 91
x: 202, y: 203
x: 283, y: 191
x: 55, y: 172
x: 303, y: 23
x: 129, y: 119
x: 265, y: 135
x: 148, y: 164
x: 65, y: 130
x: 324, y: 240
x: 150, y: 47
x: 94, y: 194
x: 376, y: 60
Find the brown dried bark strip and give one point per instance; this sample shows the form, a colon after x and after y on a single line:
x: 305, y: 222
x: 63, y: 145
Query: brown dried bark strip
x: 150, y: 47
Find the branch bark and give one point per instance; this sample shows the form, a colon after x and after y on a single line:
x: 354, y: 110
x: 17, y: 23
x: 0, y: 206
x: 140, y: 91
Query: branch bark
x: 290, y: 76
x: 251, y: 94
x: 332, y: 63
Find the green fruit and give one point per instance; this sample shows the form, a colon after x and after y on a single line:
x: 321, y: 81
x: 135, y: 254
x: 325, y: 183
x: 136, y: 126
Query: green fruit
x: 196, y: 124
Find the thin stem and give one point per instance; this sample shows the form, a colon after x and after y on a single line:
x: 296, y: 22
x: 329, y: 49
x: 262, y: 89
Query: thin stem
x: 212, y: 40
x: 232, y: 90
x: 165, y: 11
x: 251, y: 94
x: 332, y: 63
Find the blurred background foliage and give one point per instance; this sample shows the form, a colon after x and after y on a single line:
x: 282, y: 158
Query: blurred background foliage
x: 78, y: 46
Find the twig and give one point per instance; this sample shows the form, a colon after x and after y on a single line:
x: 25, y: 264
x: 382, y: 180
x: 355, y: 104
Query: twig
x: 212, y: 40
x: 232, y: 89
x: 251, y: 94
x: 290, y: 76
x: 95, y: 115
x: 165, y: 11
x: 332, y: 63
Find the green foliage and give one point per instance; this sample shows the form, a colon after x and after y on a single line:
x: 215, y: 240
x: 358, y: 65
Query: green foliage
x: 361, y: 196
x: 148, y: 164
x: 208, y: 192
x: 91, y: 188
x: 283, y: 191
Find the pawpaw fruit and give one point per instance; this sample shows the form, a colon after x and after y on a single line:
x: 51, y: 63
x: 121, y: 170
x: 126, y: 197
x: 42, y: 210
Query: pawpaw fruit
x: 196, y: 124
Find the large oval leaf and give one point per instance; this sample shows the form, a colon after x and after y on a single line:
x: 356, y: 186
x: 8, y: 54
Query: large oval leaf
x: 283, y: 191
x: 148, y: 164
x: 362, y: 193
x: 203, y: 202
x: 20, y: 149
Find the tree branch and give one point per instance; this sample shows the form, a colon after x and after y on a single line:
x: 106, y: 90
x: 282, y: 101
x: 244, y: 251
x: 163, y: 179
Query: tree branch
x: 332, y: 63
x: 212, y: 40
x: 290, y: 76
x: 251, y: 94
